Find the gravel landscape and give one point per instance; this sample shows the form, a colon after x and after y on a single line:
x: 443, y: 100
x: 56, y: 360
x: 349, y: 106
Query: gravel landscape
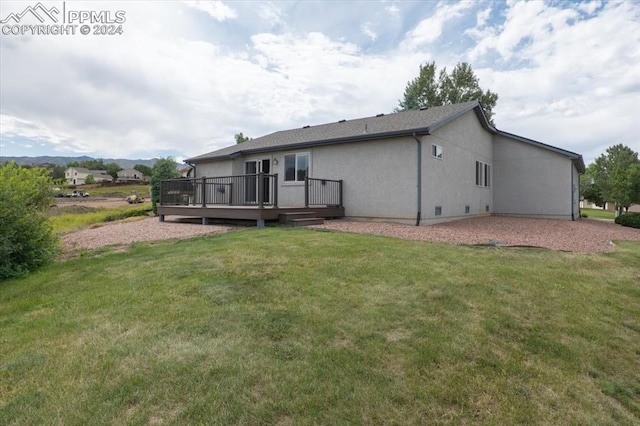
x: 584, y: 235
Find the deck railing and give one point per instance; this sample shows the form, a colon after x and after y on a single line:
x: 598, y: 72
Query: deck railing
x: 258, y: 189
x: 322, y: 192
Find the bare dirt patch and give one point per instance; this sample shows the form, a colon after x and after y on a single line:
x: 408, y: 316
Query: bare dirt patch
x: 583, y: 235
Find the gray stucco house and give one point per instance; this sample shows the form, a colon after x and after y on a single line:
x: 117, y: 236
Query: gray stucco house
x: 419, y: 167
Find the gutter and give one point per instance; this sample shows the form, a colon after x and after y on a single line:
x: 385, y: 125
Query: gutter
x: 193, y: 168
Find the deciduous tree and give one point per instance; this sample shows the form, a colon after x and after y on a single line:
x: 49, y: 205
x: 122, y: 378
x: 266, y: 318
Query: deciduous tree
x: 113, y: 169
x: 145, y: 170
x: 461, y: 85
x: 588, y: 187
x: 617, y: 176
x: 241, y: 138
x: 165, y: 168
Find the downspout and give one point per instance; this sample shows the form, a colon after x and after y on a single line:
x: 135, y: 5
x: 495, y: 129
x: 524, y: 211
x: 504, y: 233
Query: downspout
x: 419, y: 178
x: 193, y: 168
x: 573, y: 193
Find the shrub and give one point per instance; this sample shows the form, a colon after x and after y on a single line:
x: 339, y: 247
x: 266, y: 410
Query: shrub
x: 26, y: 240
x: 629, y: 219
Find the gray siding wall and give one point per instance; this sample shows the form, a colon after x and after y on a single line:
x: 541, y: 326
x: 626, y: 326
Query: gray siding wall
x: 531, y: 181
x: 213, y: 169
x: 379, y: 176
x: 450, y: 182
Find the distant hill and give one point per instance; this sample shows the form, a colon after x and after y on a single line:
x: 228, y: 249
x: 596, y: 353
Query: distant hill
x: 63, y: 161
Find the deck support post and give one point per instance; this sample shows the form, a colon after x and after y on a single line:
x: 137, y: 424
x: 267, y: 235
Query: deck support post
x: 260, y: 190
x: 203, y: 191
x: 161, y: 218
x: 205, y: 220
x: 260, y: 223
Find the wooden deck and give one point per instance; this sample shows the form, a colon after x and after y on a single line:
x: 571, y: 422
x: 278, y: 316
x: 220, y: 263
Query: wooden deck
x: 247, y: 197
x: 260, y: 215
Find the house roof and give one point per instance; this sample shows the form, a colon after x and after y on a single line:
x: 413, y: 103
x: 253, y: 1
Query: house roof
x: 381, y: 126
x: 89, y: 172
x: 128, y: 172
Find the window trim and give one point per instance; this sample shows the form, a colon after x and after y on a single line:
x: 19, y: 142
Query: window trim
x: 296, y: 155
x: 483, y: 174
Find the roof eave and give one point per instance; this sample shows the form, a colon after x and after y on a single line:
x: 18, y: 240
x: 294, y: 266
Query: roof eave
x: 322, y: 142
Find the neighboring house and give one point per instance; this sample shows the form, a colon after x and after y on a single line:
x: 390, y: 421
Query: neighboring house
x: 131, y: 175
x: 78, y: 175
x: 421, y: 166
x: 186, y: 171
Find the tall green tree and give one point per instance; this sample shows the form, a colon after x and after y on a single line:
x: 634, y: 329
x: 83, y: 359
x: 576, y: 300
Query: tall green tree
x: 165, y: 168
x: 26, y: 239
x: 617, y: 176
x: 112, y: 169
x: 241, y: 138
x: 145, y: 170
x: 588, y: 187
x: 461, y: 85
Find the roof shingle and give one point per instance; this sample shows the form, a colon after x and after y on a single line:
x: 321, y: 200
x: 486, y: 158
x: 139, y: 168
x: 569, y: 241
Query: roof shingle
x: 364, y: 128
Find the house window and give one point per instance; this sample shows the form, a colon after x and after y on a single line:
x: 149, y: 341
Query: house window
x: 483, y: 174
x: 487, y: 175
x: 436, y: 151
x: 296, y: 167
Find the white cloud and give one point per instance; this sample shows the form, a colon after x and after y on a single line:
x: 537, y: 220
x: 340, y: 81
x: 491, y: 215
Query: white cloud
x: 271, y: 14
x: 430, y: 29
x: 392, y: 9
x: 366, y: 30
x: 218, y: 10
x: 575, y: 77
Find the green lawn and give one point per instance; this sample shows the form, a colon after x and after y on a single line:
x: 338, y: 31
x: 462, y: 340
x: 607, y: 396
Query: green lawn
x: 598, y: 214
x: 290, y: 326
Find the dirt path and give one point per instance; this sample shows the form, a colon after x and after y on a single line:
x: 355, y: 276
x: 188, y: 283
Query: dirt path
x: 106, y: 202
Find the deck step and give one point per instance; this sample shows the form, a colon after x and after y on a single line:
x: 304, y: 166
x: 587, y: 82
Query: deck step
x: 307, y: 221
x: 300, y: 219
x: 287, y: 217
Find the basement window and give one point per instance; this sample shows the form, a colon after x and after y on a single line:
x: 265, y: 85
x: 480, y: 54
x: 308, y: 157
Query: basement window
x: 438, y: 211
x: 436, y: 151
x: 467, y: 209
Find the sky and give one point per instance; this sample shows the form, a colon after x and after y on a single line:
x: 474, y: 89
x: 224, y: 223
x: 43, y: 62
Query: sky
x: 181, y: 78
